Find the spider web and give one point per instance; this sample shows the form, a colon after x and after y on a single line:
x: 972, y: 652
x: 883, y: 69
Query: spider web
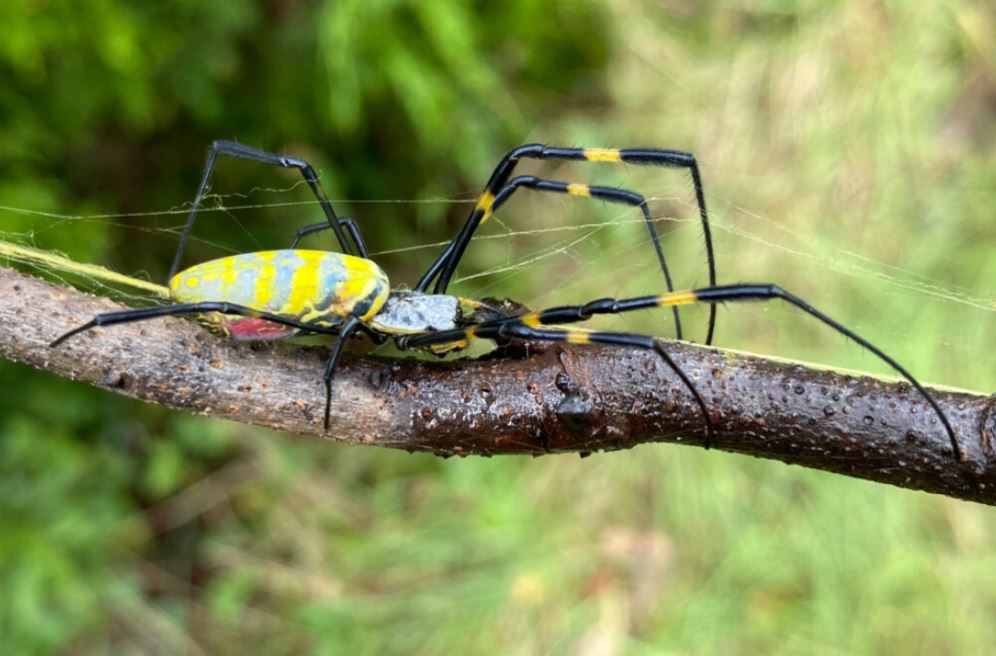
x: 571, y: 252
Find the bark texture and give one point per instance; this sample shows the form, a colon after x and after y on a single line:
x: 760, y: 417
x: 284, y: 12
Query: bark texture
x: 540, y: 399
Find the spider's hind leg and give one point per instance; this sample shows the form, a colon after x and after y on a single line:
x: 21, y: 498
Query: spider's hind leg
x: 177, y: 309
x: 346, y: 223
x: 240, y: 151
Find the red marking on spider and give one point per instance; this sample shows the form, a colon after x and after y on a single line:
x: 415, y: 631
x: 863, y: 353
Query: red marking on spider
x: 253, y: 329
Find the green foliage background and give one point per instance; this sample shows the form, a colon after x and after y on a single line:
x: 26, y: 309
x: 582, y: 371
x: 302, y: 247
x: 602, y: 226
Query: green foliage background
x: 848, y: 150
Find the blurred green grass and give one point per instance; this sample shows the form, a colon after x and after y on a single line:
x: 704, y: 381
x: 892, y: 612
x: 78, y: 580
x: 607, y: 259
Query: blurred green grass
x: 847, y: 151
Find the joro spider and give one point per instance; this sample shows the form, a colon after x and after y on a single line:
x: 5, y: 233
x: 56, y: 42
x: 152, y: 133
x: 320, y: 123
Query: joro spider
x: 279, y: 293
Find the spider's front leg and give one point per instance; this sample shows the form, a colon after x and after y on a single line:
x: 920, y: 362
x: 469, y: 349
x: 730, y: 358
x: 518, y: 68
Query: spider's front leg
x: 609, y: 194
x: 530, y: 326
x: 446, y: 262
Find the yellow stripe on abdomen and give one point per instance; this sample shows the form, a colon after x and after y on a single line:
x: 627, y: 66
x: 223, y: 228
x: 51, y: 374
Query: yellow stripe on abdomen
x: 264, y: 283
x: 229, y: 276
x: 303, y: 288
x: 309, y: 285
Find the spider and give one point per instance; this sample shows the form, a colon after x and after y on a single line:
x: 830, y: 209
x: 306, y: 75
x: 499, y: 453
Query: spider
x: 274, y: 294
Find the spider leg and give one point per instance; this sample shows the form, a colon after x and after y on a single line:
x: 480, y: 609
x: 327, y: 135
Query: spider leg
x: 240, y: 151
x: 346, y: 223
x: 765, y: 292
x: 351, y: 326
x: 736, y: 293
x: 610, y: 194
x: 129, y: 316
x: 640, y: 156
x: 517, y: 327
x: 347, y: 329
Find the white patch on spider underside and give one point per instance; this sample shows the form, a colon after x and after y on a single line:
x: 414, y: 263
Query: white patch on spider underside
x: 407, y: 313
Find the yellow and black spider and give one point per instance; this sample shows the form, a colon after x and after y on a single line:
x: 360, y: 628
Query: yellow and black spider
x: 279, y: 293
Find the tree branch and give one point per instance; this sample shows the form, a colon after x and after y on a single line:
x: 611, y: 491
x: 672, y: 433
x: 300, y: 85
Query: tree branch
x: 552, y: 399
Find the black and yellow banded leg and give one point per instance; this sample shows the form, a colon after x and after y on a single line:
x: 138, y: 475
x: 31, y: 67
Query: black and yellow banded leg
x: 609, y: 194
x: 733, y: 293
x: 240, y: 151
x: 764, y: 292
x: 346, y: 223
x: 503, y: 172
x: 577, y: 336
x: 515, y: 327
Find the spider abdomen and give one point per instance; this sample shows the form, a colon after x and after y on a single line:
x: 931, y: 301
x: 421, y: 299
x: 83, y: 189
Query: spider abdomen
x: 315, y: 287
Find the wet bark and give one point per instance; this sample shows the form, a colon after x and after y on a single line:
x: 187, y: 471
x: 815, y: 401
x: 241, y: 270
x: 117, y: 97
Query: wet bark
x: 536, y: 400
